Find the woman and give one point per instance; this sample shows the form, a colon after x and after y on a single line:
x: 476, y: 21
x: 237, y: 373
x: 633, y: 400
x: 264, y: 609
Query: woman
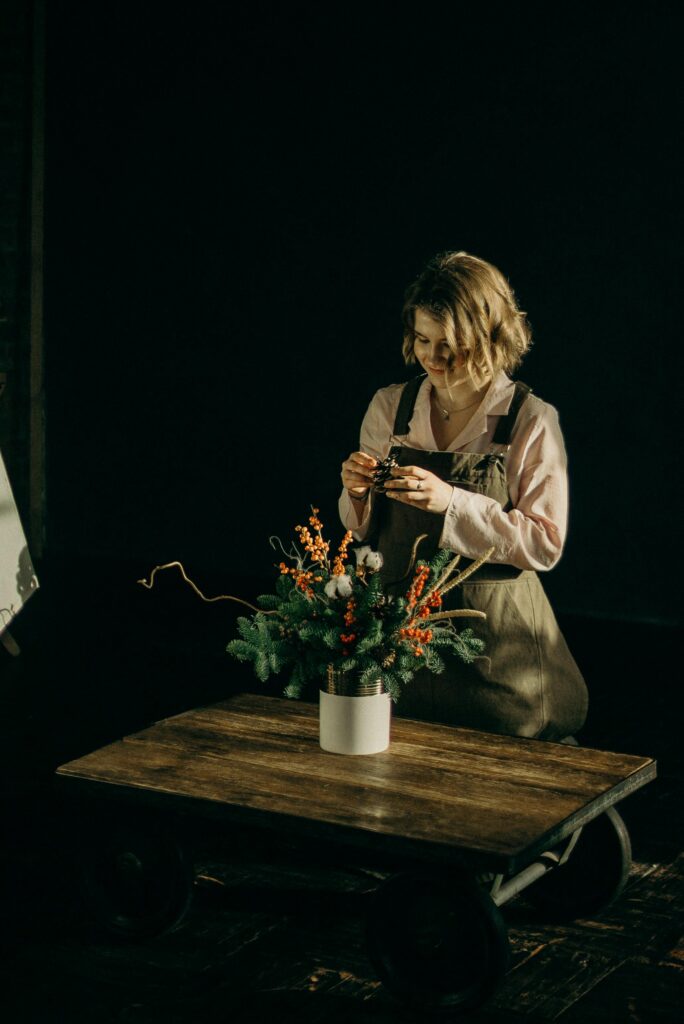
x: 481, y: 464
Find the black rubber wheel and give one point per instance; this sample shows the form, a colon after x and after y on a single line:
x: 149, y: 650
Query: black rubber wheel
x: 438, y: 942
x: 593, y: 876
x: 137, y: 880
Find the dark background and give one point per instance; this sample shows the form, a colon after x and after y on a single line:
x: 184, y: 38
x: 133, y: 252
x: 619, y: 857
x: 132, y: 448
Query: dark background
x: 235, y: 202
x: 236, y: 199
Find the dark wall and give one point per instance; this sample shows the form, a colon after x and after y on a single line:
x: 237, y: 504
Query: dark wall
x: 15, y: 201
x: 235, y: 204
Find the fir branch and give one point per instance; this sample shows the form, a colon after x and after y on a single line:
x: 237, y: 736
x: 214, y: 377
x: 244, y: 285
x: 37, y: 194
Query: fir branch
x: 331, y: 638
x: 392, y: 687
x: 369, y: 675
x: 296, y: 684
x: 241, y: 650
x: 246, y: 628
x: 262, y: 668
x: 433, y: 661
x: 469, y: 646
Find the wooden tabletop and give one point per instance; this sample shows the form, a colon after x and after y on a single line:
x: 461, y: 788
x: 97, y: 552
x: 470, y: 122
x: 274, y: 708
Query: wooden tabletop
x: 438, y: 793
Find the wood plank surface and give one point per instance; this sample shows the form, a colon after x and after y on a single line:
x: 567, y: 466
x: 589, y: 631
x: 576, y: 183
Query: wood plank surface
x: 500, y: 798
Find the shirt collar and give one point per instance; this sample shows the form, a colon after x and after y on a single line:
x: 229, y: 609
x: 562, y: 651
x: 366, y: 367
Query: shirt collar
x: 496, y: 402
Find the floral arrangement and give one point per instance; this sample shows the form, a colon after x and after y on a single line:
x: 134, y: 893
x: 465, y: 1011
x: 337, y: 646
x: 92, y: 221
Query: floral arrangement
x: 335, y: 612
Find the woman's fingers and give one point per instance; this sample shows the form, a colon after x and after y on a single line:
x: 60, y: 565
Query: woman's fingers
x: 355, y: 480
x: 361, y: 464
x: 415, y: 471
x: 358, y: 470
x: 429, y: 493
x: 407, y: 478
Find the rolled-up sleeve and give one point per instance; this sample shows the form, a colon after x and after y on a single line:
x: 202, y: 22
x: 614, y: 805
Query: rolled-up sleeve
x: 532, y: 533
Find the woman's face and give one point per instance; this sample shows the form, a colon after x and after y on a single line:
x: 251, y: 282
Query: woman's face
x: 433, y: 353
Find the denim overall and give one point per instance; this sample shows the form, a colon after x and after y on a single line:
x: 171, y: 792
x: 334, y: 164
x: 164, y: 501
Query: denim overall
x: 527, y: 682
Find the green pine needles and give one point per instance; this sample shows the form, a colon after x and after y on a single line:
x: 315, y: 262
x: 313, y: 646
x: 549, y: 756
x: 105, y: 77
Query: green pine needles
x: 328, y: 612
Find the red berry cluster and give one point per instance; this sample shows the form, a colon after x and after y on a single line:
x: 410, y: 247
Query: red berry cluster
x: 349, y: 619
x: 349, y: 616
x: 412, y: 632
x: 303, y: 578
x: 416, y: 637
x: 417, y: 587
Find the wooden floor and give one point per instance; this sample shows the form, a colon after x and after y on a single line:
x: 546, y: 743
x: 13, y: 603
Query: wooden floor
x: 279, y: 937
x: 282, y: 938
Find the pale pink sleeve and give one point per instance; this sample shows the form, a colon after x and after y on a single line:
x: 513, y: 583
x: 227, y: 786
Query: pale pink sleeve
x: 531, y: 535
x: 376, y: 430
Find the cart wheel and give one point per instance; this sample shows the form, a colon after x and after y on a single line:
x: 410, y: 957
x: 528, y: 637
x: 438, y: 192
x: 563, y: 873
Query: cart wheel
x: 593, y: 876
x: 439, y: 943
x: 137, y: 883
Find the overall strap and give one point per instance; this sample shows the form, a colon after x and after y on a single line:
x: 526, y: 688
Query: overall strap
x: 406, y: 404
x: 504, y: 428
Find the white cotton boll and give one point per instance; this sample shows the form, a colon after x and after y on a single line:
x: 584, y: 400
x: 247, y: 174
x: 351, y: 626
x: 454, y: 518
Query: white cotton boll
x: 374, y: 560
x: 361, y: 553
x: 366, y: 557
x: 339, y: 586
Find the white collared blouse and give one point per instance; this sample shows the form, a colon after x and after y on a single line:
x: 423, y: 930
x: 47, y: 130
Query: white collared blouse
x: 532, y: 533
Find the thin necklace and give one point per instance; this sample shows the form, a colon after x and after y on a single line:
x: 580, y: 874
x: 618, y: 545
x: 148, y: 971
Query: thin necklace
x: 447, y: 412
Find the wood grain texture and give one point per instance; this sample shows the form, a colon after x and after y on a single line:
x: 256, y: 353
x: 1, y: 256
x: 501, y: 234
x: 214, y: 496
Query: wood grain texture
x: 437, y: 791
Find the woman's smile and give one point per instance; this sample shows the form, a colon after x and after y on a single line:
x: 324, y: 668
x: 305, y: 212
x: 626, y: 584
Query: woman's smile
x: 430, y: 343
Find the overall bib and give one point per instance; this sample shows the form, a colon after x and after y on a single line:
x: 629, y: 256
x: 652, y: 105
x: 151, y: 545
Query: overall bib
x: 527, y: 682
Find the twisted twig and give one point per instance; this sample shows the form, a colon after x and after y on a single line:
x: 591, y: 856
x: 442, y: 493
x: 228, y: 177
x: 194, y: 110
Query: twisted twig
x: 412, y: 560
x: 148, y: 584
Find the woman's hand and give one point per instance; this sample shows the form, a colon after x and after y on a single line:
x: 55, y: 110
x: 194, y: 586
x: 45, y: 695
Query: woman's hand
x: 420, y: 488
x: 357, y: 473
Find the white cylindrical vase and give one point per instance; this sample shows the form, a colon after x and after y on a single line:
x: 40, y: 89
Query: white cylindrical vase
x: 353, y: 720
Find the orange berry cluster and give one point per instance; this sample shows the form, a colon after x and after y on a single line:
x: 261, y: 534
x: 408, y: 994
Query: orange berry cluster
x: 314, y: 520
x: 416, y: 589
x: 303, y: 578
x: 349, y: 616
x: 316, y: 546
x: 341, y: 556
x: 416, y: 637
x: 434, y: 601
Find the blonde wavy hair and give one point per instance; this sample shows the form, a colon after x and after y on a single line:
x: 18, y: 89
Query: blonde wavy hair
x: 476, y: 306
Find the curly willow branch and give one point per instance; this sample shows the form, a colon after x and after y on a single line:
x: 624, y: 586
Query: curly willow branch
x: 148, y: 584
x: 412, y: 560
